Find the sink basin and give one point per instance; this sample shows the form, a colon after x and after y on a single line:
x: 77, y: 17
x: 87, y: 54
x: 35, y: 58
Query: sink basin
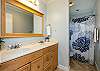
x: 6, y: 55
x: 13, y: 53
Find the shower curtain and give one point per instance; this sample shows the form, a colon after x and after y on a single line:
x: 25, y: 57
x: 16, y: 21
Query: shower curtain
x: 81, y: 38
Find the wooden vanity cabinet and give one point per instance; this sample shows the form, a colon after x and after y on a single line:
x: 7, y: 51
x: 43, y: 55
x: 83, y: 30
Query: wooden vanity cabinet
x: 14, y: 64
x: 37, y: 65
x: 24, y: 68
x: 54, y: 57
x: 46, y: 60
x: 48, y: 68
x: 42, y: 60
x: 54, y: 60
x: 50, y: 56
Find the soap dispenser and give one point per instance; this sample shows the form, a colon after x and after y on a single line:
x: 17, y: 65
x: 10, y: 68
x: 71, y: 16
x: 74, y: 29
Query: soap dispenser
x: 48, y: 28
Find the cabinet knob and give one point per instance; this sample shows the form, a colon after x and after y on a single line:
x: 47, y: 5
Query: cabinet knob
x: 38, y: 67
x: 0, y: 65
x: 51, y: 56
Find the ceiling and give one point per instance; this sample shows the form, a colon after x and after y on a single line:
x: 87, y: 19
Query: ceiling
x: 82, y: 7
x: 46, y: 0
x: 49, y: 1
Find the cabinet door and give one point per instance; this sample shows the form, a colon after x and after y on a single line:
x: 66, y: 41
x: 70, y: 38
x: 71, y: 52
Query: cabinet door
x: 24, y: 68
x: 48, y: 68
x: 54, y: 60
x: 46, y: 60
x: 37, y: 65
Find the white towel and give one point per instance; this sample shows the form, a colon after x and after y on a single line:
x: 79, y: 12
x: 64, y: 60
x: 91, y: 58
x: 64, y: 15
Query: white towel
x: 48, y: 30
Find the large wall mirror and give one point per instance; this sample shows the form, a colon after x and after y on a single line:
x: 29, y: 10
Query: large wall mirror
x: 22, y: 20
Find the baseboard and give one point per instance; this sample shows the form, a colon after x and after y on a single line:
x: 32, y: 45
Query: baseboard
x: 97, y: 66
x: 64, y: 68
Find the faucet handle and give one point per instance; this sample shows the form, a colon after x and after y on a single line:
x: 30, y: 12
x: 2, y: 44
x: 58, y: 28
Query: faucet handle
x: 10, y: 46
x: 18, y: 45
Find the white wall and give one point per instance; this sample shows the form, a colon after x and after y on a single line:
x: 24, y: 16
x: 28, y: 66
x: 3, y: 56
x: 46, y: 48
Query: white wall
x: 97, y: 48
x: 85, y: 7
x: 58, y: 17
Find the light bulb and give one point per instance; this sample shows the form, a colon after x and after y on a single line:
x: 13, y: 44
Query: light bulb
x: 32, y: 1
x: 37, y: 2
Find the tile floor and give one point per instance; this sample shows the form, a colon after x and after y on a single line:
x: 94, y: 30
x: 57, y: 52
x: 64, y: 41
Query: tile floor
x: 78, y: 66
x: 58, y: 70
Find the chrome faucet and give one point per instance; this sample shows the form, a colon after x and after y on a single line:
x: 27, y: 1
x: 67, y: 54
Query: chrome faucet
x: 18, y: 45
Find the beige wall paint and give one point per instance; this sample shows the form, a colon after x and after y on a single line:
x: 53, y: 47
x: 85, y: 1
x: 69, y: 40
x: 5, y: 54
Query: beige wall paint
x: 58, y: 17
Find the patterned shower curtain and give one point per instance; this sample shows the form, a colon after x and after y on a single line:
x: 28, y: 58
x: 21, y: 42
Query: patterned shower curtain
x: 81, y: 38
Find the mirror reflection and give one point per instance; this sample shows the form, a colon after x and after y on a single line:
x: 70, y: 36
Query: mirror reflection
x: 21, y: 21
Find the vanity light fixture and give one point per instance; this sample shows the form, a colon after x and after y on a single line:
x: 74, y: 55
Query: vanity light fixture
x: 35, y: 2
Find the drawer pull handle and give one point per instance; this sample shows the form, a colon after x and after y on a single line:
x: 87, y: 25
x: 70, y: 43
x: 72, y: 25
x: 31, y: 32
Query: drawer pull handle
x: 38, y: 67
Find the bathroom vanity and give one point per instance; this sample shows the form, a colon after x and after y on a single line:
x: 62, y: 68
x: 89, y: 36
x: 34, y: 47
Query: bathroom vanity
x: 43, y: 57
x: 20, y: 20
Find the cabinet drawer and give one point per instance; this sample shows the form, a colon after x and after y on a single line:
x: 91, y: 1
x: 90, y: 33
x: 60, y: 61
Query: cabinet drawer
x: 36, y: 55
x: 48, y: 68
x: 14, y: 64
x: 46, y: 50
x: 24, y: 68
x: 37, y: 65
x: 46, y: 59
x: 21, y: 61
x: 54, y: 47
x: 50, y: 48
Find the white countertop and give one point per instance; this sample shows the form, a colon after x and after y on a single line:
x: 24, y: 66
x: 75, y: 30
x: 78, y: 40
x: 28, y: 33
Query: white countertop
x: 6, y: 55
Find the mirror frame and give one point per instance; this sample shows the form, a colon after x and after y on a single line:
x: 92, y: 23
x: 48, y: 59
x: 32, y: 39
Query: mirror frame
x: 20, y: 5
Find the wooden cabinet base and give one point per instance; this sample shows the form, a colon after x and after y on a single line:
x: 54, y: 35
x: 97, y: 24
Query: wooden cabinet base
x: 24, y: 68
x: 48, y: 68
x: 42, y: 60
x: 37, y: 65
